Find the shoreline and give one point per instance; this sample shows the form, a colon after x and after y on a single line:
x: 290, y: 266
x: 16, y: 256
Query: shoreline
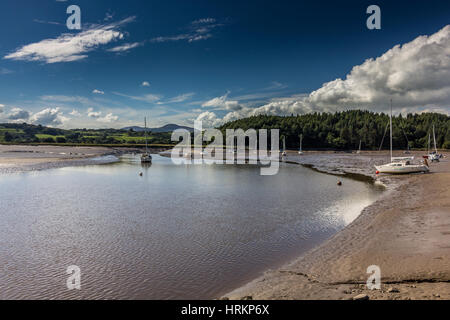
x: 406, y: 233
x: 22, y: 158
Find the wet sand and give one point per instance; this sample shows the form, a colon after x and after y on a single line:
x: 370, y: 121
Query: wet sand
x: 406, y: 233
x: 14, y: 158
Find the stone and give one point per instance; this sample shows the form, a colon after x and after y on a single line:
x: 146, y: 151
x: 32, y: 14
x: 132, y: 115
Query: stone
x: 361, y: 296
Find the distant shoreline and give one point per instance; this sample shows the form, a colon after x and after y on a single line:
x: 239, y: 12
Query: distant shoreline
x: 405, y: 233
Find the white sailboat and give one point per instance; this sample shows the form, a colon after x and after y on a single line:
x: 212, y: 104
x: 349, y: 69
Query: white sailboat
x: 300, y: 151
x: 146, y: 157
x: 359, y: 149
x: 433, y: 156
x: 400, y: 165
x: 284, y: 154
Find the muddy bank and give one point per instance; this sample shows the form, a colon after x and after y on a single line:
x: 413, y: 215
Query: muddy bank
x: 406, y: 233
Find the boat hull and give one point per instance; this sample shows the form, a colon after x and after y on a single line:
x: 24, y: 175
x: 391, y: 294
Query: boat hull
x: 402, y: 169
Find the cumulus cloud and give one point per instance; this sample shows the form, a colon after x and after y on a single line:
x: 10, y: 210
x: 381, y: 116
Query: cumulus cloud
x: 209, y: 119
x: 93, y: 114
x: 49, y: 117
x: 18, y: 114
x: 109, y: 118
x: 222, y: 103
x: 2, y: 108
x: 70, y: 46
x: 96, y: 91
x: 75, y: 113
x: 415, y: 75
x: 145, y: 84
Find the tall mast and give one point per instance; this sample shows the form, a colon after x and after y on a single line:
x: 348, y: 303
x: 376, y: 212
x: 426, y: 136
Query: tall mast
x: 146, y: 143
x: 434, y: 140
x: 301, y: 142
x: 390, y: 121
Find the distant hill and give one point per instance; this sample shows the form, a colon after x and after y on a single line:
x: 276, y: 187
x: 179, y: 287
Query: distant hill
x: 166, y: 128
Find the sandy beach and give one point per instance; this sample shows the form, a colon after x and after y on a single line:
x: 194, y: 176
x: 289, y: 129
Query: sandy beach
x: 406, y: 233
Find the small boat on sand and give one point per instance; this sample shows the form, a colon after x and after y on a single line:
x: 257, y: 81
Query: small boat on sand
x: 400, y: 165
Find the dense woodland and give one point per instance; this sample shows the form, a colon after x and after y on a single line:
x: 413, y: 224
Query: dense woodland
x: 338, y: 131
x: 344, y: 130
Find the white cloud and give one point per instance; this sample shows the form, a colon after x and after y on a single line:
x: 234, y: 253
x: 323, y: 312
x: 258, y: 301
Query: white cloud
x: 416, y: 75
x: 145, y: 84
x: 93, y: 114
x: 109, y: 118
x: 181, y: 98
x: 96, y: 91
x: 151, y: 98
x: 198, y: 30
x: 75, y: 113
x: 223, y: 103
x: 2, y: 108
x: 125, y: 47
x: 18, y: 114
x: 209, y: 119
x: 70, y: 46
x: 49, y: 117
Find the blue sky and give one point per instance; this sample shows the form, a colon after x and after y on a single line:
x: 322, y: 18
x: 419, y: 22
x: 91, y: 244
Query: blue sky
x: 177, y: 61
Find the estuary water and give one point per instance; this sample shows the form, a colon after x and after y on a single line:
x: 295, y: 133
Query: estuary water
x: 176, y: 232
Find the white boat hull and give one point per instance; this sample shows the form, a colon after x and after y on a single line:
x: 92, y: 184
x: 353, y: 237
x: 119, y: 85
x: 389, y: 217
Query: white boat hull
x: 396, y: 168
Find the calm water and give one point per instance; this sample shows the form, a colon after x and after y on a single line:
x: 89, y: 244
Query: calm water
x: 177, y: 232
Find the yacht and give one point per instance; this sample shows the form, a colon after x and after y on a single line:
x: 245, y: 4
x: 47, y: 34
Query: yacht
x: 146, y: 157
x: 402, y: 164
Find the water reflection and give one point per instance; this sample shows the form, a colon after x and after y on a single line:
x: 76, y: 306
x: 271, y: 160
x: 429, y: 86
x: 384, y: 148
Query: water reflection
x: 188, y: 231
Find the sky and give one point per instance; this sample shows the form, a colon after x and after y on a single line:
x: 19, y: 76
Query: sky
x: 217, y: 61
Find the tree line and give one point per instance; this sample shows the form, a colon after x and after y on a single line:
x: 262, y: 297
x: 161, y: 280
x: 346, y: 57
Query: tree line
x: 344, y: 130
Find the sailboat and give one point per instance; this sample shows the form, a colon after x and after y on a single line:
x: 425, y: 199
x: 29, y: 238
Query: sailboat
x: 284, y: 154
x: 433, y: 156
x: 359, y: 149
x: 146, y: 157
x: 300, y: 151
x: 400, y: 165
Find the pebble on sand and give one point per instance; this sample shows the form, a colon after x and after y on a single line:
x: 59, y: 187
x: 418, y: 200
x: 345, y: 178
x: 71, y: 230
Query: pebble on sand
x: 361, y: 296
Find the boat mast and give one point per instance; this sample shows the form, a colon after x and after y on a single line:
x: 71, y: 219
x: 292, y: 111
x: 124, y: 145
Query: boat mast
x: 301, y: 142
x: 434, y: 140
x: 146, y: 143
x: 390, y: 121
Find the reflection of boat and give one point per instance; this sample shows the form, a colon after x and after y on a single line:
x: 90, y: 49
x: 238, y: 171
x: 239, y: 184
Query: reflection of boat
x: 146, y: 157
x: 300, y: 151
x: 402, y: 164
x: 146, y: 165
